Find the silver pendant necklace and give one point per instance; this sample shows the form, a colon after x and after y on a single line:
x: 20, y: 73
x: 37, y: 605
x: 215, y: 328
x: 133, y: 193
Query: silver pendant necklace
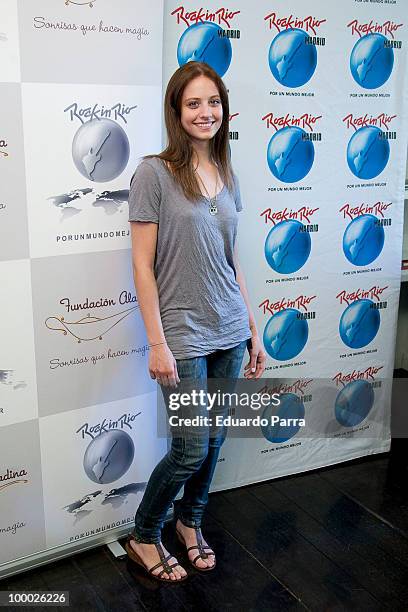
x: 212, y: 206
x: 212, y: 202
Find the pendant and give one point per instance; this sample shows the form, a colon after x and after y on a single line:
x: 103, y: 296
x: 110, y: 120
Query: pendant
x: 213, y: 206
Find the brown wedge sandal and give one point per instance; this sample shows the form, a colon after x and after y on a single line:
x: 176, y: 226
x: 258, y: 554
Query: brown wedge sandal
x: 203, y: 551
x: 163, y: 561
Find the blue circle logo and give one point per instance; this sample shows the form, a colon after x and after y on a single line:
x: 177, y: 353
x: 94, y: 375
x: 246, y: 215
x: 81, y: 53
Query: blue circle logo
x: 292, y: 59
x: 368, y: 152
x: 353, y: 403
x: 359, y: 324
x: 285, y: 334
x: 100, y: 150
x: 363, y: 240
x: 371, y: 61
x: 287, y: 246
x: 290, y: 407
x: 290, y: 154
x: 204, y: 42
x: 109, y: 456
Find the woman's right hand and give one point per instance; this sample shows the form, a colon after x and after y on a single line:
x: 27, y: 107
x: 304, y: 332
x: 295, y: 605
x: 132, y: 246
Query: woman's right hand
x: 163, y: 366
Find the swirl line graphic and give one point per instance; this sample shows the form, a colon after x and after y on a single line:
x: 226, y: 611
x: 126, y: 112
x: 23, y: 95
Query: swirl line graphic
x: 9, y: 484
x: 89, y: 3
x: 74, y: 327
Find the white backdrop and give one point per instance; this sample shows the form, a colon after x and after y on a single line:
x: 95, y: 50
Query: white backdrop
x: 81, y: 87
x: 289, y: 67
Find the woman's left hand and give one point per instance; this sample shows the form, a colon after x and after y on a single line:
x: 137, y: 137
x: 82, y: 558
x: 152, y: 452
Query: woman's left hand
x: 257, y: 358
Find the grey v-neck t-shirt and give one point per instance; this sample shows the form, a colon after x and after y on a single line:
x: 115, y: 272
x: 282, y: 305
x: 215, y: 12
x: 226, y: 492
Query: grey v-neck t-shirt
x: 201, y: 306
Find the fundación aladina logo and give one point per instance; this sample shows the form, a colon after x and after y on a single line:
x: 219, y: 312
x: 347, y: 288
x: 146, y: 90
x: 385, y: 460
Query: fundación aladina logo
x: 12, y: 477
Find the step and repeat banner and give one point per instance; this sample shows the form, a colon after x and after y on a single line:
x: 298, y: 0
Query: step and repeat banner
x: 318, y: 135
x: 318, y: 138
x: 81, y: 91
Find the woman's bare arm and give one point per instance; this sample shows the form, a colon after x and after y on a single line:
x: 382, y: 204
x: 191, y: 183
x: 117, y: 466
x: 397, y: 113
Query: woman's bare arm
x: 242, y: 285
x: 162, y: 365
x: 257, y: 356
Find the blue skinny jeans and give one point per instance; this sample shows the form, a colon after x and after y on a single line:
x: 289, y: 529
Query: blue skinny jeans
x: 193, y: 454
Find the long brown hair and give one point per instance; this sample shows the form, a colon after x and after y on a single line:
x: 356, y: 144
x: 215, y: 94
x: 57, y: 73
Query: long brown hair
x: 179, y: 150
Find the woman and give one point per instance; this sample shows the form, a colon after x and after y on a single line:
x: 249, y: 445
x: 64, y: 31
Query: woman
x: 183, y: 207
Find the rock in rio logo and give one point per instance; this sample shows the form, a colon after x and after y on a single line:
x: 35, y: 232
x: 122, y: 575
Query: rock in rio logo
x: 344, y: 378
x: 80, y: 3
x: 288, y: 244
x: 111, y: 450
x: 372, y: 57
x: 91, y: 327
x: 291, y: 410
x: 356, y: 398
x: 361, y: 319
x: 368, y: 149
x: 291, y: 152
x: 13, y: 477
x: 286, y: 333
x: 221, y: 16
x: 205, y: 39
x: 293, y: 54
x: 100, y: 148
x: 363, y: 239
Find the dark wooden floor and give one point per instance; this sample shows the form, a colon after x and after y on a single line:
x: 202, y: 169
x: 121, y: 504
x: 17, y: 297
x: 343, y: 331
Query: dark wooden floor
x: 332, y: 539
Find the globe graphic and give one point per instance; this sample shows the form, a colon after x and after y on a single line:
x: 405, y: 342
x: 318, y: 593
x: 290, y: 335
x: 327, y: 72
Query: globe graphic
x: 359, y: 324
x: 285, y: 334
x: 290, y: 156
x: 363, y: 240
x: 287, y: 246
x: 371, y: 62
x: 203, y: 42
x: 291, y: 59
x: 109, y: 456
x: 367, y: 152
x: 100, y: 150
x: 291, y: 407
x: 353, y: 403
